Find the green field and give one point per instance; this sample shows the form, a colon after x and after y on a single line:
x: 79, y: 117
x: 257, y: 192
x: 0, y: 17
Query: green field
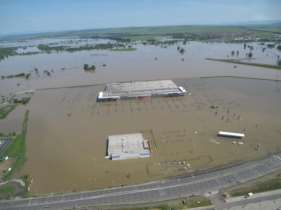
x: 144, y: 33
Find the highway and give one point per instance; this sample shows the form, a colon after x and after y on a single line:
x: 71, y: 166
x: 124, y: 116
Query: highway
x: 153, y: 191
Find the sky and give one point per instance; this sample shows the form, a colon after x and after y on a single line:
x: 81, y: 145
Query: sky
x: 30, y: 16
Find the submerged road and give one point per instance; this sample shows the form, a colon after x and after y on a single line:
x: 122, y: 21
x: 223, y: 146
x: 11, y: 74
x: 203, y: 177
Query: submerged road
x: 153, y: 191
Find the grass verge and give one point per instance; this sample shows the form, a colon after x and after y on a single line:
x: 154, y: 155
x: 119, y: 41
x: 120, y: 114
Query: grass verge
x: 264, y: 184
x: 11, y: 190
x: 7, y: 191
x: 179, y: 204
x: 272, y: 184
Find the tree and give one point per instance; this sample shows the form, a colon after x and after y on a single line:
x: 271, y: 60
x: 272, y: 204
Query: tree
x: 182, y: 51
x: 250, y: 55
x: 270, y: 46
x: 89, y: 68
x: 86, y: 66
x: 47, y: 73
x: 27, y: 76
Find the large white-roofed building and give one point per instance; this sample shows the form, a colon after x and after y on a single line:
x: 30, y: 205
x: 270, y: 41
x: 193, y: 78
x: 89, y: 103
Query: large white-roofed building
x: 135, y: 89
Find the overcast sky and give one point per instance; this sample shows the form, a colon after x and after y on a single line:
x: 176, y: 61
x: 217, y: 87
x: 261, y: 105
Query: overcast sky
x: 25, y: 16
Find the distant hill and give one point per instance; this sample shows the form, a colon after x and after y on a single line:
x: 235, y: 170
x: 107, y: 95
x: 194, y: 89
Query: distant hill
x: 272, y: 26
x: 262, y: 22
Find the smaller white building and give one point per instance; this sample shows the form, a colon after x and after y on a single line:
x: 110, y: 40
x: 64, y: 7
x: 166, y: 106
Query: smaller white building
x: 127, y: 146
x: 231, y: 134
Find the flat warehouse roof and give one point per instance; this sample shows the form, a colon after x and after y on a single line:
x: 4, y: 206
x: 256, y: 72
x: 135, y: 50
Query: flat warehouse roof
x: 120, y: 90
x: 140, y: 86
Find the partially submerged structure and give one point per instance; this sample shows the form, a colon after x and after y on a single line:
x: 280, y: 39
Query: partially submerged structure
x: 127, y: 146
x: 22, y: 97
x: 231, y: 134
x: 138, y: 89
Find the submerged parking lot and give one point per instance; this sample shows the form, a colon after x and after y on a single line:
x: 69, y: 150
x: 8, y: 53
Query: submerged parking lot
x: 68, y: 129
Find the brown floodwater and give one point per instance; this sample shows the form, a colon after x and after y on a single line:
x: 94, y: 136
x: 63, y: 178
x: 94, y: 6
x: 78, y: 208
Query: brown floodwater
x: 67, y: 128
x: 133, y: 65
x: 67, y: 131
x: 13, y: 122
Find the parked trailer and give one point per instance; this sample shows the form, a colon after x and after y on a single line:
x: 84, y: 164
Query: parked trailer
x: 231, y: 134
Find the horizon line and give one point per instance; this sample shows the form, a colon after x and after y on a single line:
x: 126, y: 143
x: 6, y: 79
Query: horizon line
x: 244, y: 23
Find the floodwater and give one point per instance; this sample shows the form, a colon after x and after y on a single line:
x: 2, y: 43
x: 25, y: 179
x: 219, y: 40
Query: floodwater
x: 67, y: 132
x: 67, y: 68
x: 67, y: 128
x: 13, y: 122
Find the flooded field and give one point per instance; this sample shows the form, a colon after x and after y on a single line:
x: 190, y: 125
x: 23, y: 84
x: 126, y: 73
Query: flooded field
x: 68, y: 129
x: 147, y: 62
x: 13, y: 123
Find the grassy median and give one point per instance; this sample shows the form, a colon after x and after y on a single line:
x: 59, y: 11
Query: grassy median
x: 179, y: 204
x: 268, y: 185
x: 263, y: 184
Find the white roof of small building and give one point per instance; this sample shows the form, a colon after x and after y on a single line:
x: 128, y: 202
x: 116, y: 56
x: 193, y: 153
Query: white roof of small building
x: 126, y: 145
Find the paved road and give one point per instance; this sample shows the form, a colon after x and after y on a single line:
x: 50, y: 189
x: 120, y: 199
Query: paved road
x: 154, y: 191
